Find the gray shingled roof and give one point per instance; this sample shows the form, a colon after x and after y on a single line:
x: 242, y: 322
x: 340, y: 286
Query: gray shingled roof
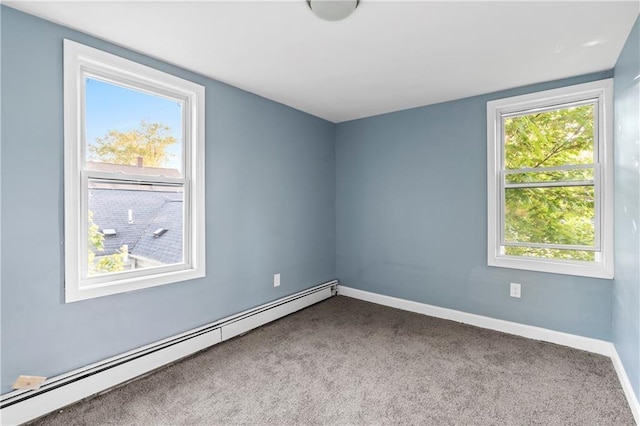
x: 168, y: 247
x: 151, y: 210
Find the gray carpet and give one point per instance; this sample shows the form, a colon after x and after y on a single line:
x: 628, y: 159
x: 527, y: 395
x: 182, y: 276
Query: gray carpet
x: 344, y: 361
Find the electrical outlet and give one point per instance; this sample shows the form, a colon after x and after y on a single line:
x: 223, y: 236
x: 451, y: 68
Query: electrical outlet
x: 276, y: 280
x: 515, y: 290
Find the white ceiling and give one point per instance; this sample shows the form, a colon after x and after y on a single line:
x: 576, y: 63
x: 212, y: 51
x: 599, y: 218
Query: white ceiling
x: 387, y: 56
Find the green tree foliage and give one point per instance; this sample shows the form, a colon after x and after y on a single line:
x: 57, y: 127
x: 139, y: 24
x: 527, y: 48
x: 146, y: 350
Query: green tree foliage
x: 150, y: 142
x: 552, y: 215
x: 550, y: 138
x: 104, y: 264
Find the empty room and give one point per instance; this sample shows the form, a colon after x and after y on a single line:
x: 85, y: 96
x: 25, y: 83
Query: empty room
x: 319, y: 212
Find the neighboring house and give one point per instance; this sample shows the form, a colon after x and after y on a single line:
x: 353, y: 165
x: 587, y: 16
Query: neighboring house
x: 146, y: 222
x: 139, y: 169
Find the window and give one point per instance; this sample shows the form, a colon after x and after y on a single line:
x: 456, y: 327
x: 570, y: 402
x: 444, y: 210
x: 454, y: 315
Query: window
x: 550, y: 181
x: 134, y: 175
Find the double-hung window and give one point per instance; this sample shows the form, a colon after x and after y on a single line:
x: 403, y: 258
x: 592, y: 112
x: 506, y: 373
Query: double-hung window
x: 134, y: 175
x: 550, y: 182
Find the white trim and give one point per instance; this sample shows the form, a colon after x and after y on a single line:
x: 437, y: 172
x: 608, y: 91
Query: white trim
x: 602, y: 91
x: 60, y: 391
x: 529, y: 331
x: 81, y: 61
x: 632, y: 399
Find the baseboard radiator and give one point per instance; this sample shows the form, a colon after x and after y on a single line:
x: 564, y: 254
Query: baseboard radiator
x: 22, y: 406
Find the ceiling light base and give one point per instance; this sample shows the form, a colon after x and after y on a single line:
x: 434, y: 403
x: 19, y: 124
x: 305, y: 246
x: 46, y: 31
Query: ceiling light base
x: 333, y: 10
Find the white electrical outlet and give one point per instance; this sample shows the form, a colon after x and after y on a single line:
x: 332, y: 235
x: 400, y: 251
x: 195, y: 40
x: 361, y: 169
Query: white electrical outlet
x: 276, y: 280
x: 515, y: 290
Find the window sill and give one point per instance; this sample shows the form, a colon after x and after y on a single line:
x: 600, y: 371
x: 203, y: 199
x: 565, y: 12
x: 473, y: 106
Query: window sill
x: 74, y: 293
x: 577, y: 268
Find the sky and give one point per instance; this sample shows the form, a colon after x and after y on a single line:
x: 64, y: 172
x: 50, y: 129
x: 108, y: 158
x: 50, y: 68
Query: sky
x: 113, y: 107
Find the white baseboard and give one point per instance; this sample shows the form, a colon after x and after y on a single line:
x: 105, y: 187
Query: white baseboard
x: 537, y: 333
x: 588, y: 344
x: 634, y: 403
x: 23, y: 406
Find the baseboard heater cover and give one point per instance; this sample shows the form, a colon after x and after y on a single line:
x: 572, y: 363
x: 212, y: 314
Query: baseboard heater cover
x: 22, y: 406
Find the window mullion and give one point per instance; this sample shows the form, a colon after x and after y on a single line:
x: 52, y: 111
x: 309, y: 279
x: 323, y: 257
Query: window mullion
x: 84, y: 227
x: 551, y: 184
x: 549, y: 246
x: 134, y: 178
x: 502, y: 177
x: 598, y: 206
x: 565, y: 168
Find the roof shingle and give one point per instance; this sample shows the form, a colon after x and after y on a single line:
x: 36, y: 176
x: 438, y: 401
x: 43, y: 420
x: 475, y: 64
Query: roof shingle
x: 150, y: 210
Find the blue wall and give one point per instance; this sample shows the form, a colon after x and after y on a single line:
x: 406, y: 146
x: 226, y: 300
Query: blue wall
x: 411, y: 220
x: 626, y: 288
x: 270, y: 208
x: 398, y: 207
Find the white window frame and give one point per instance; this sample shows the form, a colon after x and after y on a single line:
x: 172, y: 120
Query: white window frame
x: 601, y: 93
x: 81, y: 61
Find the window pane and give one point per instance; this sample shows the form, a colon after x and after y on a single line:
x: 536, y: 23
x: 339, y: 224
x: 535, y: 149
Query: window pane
x: 553, y: 176
x: 584, y: 255
x: 133, y: 226
x: 550, y: 215
x: 130, y: 131
x: 550, y: 138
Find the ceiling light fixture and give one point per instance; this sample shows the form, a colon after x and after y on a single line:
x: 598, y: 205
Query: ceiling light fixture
x: 332, y: 10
